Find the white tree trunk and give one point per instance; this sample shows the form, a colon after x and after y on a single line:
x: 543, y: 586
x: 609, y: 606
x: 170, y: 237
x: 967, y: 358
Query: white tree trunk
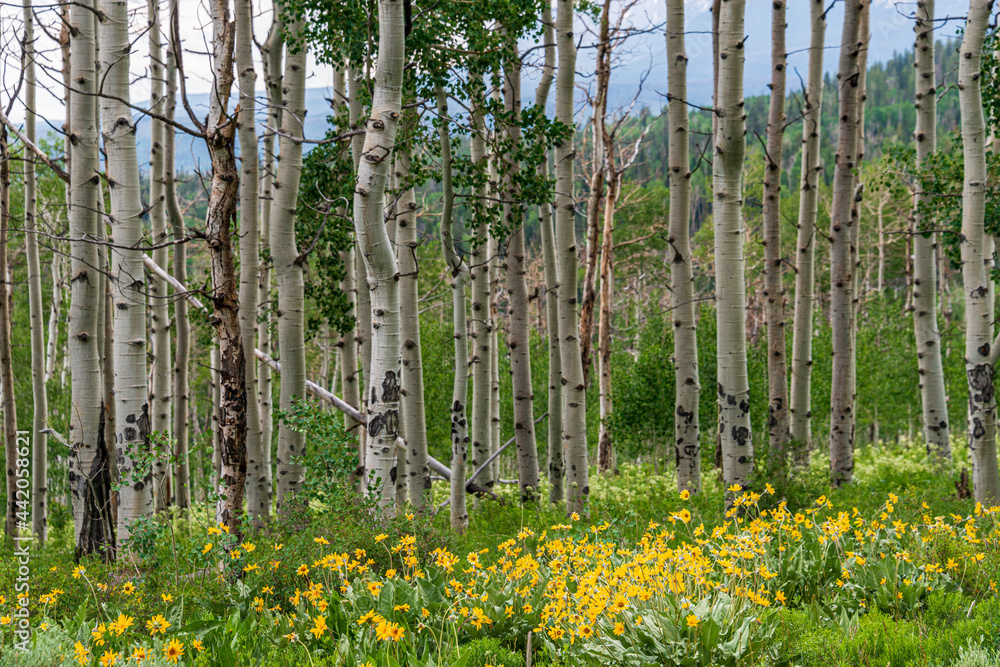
x: 127, y: 279
x: 39, y: 441
x: 978, y: 309
x: 925, y: 307
x: 364, y: 309
x: 383, y: 388
x: 805, y: 245
x: 182, y: 328
x: 687, y: 389
x: 774, y: 290
x: 160, y: 398
x: 842, y: 420
x: 730, y: 286
x: 574, y: 404
x: 258, y: 491
x: 288, y: 272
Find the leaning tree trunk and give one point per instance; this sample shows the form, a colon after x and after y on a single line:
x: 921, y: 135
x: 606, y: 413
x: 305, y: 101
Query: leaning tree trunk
x: 687, y: 388
x: 182, y: 328
x: 841, y: 265
x: 271, y: 52
x: 288, y: 271
x: 925, y: 308
x: 159, y: 306
x: 412, y: 405
x: 730, y: 286
x: 556, y: 460
x: 127, y: 280
x: 382, y: 409
x: 258, y: 490
x: 978, y: 309
x: 805, y: 282
x: 482, y: 321
x: 774, y: 290
x: 11, y: 520
x: 518, y: 340
x: 459, y: 277
x: 40, y: 403
x: 221, y: 217
x: 573, y: 384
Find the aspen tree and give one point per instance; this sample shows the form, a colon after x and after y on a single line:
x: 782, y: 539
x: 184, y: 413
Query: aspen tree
x: 925, y: 307
x: 805, y: 244
x: 978, y: 309
x: 687, y: 388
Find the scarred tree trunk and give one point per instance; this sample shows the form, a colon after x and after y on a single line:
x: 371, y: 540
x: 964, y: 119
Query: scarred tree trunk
x: 382, y: 409
x: 518, y: 340
x: 925, y: 307
x: 220, y: 134
x: 978, y: 309
x: 159, y: 390
x: 182, y: 328
x: 40, y: 403
x: 258, y: 490
x: 459, y: 276
x: 841, y: 264
x: 812, y: 167
x: 730, y: 286
x: 774, y: 290
x: 127, y: 280
x: 556, y: 458
x: 573, y: 382
x: 288, y: 271
x: 687, y: 388
x: 605, y: 447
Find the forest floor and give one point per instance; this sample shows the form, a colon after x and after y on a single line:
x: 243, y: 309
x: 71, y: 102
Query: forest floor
x: 894, y: 569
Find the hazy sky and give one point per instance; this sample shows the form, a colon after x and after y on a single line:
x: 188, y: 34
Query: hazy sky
x: 891, y: 25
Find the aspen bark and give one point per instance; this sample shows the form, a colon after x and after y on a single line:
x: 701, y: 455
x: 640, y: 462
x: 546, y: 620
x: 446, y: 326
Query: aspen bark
x: 459, y: 276
x: 382, y: 409
x: 40, y: 402
x: 687, y: 388
x: 126, y: 278
x: 842, y: 420
x: 556, y: 458
x: 6, y: 366
x: 605, y: 446
x: 805, y: 245
x: 925, y: 307
x: 288, y: 272
x: 978, y: 309
x: 482, y: 320
x: 182, y: 328
x: 518, y: 339
x: 774, y: 290
x: 364, y: 328
x: 602, y: 76
x: 573, y: 381
x: 159, y: 308
x: 55, y: 315
x: 271, y: 56
x: 730, y: 286
x: 258, y: 492
x: 412, y: 406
